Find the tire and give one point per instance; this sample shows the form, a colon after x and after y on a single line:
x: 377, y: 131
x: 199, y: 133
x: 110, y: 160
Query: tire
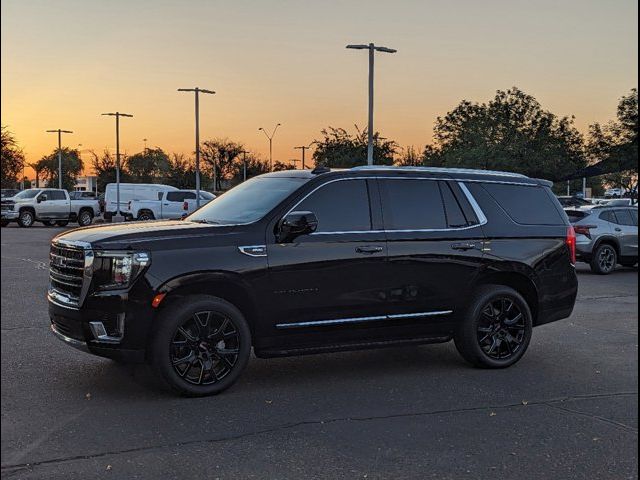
x: 604, y: 259
x: 496, y: 329
x: 26, y: 218
x: 62, y: 223
x: 49, y: 223
x: 85, y: 218
x: 145, y: 215
x: 4, y: 223
x: 193, y: 363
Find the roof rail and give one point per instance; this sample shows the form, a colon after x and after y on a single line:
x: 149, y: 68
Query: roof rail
x: 440, y: 170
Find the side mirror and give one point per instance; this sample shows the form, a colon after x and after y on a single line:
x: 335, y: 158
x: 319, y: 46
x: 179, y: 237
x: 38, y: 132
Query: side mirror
x: 296, y: 224
x: 42, y: 198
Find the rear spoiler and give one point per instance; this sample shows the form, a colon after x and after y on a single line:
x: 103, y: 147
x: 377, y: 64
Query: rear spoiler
x: 544, y: 183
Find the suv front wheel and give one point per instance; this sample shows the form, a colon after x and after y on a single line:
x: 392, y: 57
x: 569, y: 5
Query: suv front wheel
x: 496, y: 330
x: 201, y: 346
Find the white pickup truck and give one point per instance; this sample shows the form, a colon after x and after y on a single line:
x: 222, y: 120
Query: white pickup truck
x: 51, y: 206
x: 171, y: 204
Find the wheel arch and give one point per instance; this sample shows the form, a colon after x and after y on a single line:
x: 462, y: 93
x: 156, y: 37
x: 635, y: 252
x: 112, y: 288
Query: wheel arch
x: 226, y: 285
x: 608, y: 239
x: 520, y: 282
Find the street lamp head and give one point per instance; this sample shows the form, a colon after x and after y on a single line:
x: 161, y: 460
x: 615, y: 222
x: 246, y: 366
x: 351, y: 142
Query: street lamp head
x: 386, y: 50
x: 260, y: 128
x: 358, y: 47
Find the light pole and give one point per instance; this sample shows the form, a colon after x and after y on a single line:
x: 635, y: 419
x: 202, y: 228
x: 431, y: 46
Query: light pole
x: 118, y: 115
x: 372, y: 48
x: 145, y: 145
x: 59, y: 132
x: 197, y: 91
x: 244, y: 165
x: 270, y: 137
x: 303, y: 148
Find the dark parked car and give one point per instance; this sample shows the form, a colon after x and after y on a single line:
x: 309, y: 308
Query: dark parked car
x: 300, y: 262
x: 606, y: 236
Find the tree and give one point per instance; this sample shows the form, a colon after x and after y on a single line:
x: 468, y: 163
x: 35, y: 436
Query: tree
x: 410, y: 158
x: 72, y: 166
x: 279, y: 166
x: 149, y: 166
x: 223, y: 155
x: 512, y: 133
x: 104, y: 168
x: 615, y: 144
x: 12, y: 160
x: 255, y: 166
x: 340, y: 149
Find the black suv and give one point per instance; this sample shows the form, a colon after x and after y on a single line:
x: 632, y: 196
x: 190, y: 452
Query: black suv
x: 300, y: 262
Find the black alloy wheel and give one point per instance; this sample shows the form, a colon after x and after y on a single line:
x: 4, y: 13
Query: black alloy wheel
x: 201, y: 345
x: 496, y: 329
x: 205, y: 348
x: 501, y: 328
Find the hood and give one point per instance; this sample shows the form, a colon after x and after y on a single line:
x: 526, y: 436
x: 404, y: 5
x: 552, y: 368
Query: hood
x: 133, y: 234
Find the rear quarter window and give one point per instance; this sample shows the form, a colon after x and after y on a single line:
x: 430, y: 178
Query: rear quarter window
x: 527, y: 205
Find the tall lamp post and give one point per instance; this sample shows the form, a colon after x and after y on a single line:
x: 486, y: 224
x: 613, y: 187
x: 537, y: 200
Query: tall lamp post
x: 303, y: 148
x: 59, y: 132
x: 197, y: 92
x: 270, y: 137
x: 118, y: 115
x: 244, y: 165
x: 372, y: 49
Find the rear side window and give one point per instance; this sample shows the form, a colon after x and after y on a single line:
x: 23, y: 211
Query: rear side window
x: 576, y: 215
x: 608, y: 216
x: 624, y: 217
x: 341, y: 206
x: 453, y: 210
x: 525, y: 205
x: 634, y: 215
x: 412, y: 205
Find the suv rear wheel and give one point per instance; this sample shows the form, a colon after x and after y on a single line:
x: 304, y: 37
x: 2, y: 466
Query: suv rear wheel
x: 604, y: 259
x: 496, y: 330
x: 201, y: 346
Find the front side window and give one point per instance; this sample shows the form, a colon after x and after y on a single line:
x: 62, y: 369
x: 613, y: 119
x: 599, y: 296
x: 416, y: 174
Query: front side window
x: 412, y: 205
x: 341, y: 206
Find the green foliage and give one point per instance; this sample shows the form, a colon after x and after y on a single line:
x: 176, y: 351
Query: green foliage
x: 149, y: 166
x: 410, y: 158
x: 223, y: 155
x: 12, y: 160
x: 616, y: 144
x: 279, y: 166
x: 512, y: 133
x: 255, y: 166
x: 105, y: 169
x: 340, y: 149
x: 72, y: 166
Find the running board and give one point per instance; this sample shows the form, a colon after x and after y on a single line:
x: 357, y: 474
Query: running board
x: 344, y: 347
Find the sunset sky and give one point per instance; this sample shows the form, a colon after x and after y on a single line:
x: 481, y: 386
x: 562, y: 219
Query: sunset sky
x: 66, y: 61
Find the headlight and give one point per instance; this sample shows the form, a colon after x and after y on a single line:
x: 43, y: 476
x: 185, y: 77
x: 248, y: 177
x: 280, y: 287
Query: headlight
x: 115, y: 270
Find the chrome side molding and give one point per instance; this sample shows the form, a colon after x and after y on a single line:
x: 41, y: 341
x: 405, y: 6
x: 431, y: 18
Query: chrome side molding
x: 339, y: 321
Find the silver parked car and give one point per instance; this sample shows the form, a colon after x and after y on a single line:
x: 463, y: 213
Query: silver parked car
x: 606, y: 236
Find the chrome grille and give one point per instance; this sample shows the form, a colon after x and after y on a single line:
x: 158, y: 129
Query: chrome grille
x: 66, y: 272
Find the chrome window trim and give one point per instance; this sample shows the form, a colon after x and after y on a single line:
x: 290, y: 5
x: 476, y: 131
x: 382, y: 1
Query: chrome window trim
x: 339, y: 321
x: 482, y: 219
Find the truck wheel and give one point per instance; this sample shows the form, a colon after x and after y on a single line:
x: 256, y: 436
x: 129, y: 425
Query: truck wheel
x: 62, y: 223
x: 145, y: 215
x: 604, y: 259
x: 496, y: 329
x: 85, y: 218
x: 26, y: 218
x: 201, y: 345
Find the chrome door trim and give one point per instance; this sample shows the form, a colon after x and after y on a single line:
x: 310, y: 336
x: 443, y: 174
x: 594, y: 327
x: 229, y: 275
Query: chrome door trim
x: 254, y: 250
x: 339, y: 321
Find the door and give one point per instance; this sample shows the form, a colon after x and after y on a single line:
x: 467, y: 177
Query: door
x: 435, y: 244
x: 626, y: 229
x: 61, y: 205
x: 47, y: 209
x: 173, y: 204
x: 329, y: 283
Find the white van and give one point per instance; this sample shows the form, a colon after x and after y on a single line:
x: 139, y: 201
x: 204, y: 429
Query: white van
x: 131, y: 191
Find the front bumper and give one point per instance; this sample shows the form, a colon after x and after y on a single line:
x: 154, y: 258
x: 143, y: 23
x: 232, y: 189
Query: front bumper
x: 9, y: 215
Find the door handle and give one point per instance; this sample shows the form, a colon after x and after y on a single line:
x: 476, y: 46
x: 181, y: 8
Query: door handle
x: 618, y: 229
x: 369, y: 249
x: 463, y: 246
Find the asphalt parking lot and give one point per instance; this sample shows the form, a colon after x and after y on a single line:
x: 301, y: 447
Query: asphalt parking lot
x: 568, y: 410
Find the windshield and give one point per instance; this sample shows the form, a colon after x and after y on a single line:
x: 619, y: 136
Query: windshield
x: 27, y: 194
x: 248, y: 202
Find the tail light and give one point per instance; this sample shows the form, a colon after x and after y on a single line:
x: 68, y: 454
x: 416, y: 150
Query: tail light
x: 571, y: 243
x: 185, y: 205
x: 584, y: 230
